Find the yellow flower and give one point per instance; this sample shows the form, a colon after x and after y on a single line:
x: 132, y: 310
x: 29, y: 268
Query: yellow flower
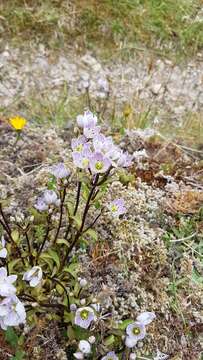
x: 18, y: 122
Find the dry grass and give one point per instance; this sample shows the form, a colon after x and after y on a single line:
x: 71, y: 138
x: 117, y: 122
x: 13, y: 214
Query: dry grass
x: 162, y: 25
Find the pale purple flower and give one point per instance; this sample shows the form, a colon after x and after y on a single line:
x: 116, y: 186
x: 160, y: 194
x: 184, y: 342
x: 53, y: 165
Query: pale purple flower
x: 106, y: 146
x: 110, y: 356
x: 3, y: 250
x: 99, y: 163
x: 6, y: 283
x: 78, y: 144
x: 91, y: 131
x: 82, y: 159
x: 125, y: 160
x: 84, y: 346
x: 136, y: 331
x: 130, y: 342
x: 59, y: 171
x: 41, y: 205
x: 86, y: 120
x: 33, y: 276
x: 117, y: 207
x: 146, y: 317
x: 12, y: 312
x: 84, y: 316
x: 50, y: 197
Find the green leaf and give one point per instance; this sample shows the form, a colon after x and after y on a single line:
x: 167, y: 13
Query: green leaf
x: 15, y: 236
x: 11, y: 337
x: 109, y: 340
x: 70, y: 333
x: 77, y: 219
x: 59, y: 289
x: 12, y: 264
x: 80, y: 333
x: 47, y: 259
x: 123, y: 325
x: 53, y: 254
x: 93, y: 234
x: 72, y: 269
x: 63, y: 242
x: 52, y: 183
x: 20, y: 355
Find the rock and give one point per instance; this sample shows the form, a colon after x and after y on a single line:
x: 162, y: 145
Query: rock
x: 156, y: 89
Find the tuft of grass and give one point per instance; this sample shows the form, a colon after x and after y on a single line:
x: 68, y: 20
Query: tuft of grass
x: 47, y: 110
x: 165, y: 26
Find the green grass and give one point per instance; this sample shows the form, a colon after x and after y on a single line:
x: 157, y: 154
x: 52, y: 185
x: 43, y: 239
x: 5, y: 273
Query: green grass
x: 164, y: 26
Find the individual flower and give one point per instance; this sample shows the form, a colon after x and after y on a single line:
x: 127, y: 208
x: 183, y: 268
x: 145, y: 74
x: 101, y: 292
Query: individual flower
x: 117, y: 207
x: 41, y: 205
x: 84, y: 346
x: 78, y: 144
x: 110, y: 356
x: 84, y: 316
x: 86, y: 120
x: 59, y: 171
x: 6, y: 283
x: 17, y: 122
x: 3, y: 250
x: 33, y: 276
x: 91, y: 131
x: 125, y: 160
x: 50, y: 197
x: 106, y: 146
x: 82, y: 159
x: 136, y: 331
x: 12, y: 312
x: 99, y: 163
x: 146, y: 317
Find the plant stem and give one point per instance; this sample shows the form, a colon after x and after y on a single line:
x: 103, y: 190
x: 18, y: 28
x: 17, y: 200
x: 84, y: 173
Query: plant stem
x: 87, y: 206
x: 58, y: 282
x: 77, y: 198
x: 25, y: 232
x: 45, y: 237
x: 92, y: 224
x: 61, y: 215
x: 75, y: 210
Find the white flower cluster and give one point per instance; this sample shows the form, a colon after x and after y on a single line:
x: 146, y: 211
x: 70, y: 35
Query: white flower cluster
x: 12, y: 311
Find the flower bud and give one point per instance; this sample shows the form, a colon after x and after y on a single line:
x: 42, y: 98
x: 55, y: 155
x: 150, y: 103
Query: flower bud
x: 73, y: 307
x: 132, y: 356
x: 83, y: 282
x: 92, y: 339
x: 83, y: 301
